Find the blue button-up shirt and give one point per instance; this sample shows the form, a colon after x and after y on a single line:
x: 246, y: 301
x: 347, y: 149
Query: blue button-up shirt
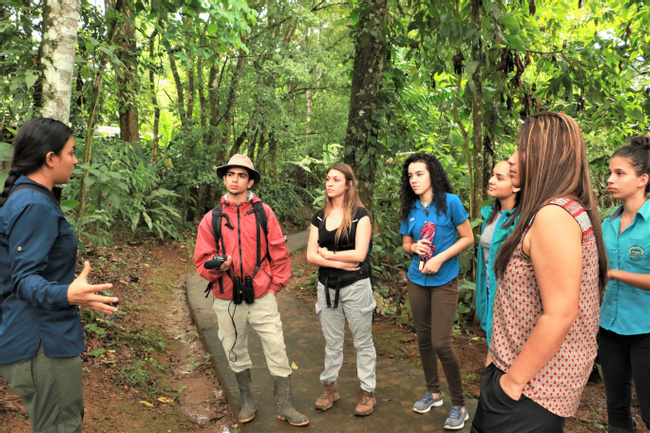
x: 626, y: 309
x: 38, y: 251
x: 445, y: 237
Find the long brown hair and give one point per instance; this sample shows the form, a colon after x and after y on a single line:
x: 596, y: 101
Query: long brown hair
x: 351, y: 199
x: 552, y: 164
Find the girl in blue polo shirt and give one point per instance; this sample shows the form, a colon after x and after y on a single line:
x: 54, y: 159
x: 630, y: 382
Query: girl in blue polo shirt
x: 432, y: 217
x: 499, y: 220
x: 41, y: 334
x: 624, y: 337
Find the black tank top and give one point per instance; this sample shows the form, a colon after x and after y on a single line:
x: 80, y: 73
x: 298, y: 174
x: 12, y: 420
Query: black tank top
x: 327, y: 239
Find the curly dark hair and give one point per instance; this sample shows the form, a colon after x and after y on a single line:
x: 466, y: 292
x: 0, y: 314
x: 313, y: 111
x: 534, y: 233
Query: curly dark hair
x: 439, y: 183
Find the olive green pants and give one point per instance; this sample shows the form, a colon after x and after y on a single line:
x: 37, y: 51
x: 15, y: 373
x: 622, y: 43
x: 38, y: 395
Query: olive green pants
x: 51, y: 391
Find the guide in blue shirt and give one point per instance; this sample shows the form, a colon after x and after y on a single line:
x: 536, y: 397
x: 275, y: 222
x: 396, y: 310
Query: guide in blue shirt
x: 624, y: 337
x: 41, y: 335
x: 432, y: 219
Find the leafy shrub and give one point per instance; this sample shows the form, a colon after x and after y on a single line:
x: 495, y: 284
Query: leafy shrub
x: 124, y: 192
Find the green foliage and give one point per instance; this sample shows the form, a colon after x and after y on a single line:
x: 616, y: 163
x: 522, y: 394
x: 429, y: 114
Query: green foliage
x: 466, y: 291
x: 286, y: 198
x: 286, y: 104
x: 125, y: 192
x: 19, y: 48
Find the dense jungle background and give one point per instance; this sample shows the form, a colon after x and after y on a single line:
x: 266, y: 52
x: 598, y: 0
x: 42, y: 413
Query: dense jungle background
x: 161, y: 92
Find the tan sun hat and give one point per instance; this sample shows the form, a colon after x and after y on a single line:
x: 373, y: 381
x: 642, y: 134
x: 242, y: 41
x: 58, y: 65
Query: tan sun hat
x: 242, y: 161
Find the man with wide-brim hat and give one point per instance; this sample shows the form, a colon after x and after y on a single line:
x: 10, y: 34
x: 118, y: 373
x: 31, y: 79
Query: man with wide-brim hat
x: 243, y: 161
x: 241, y: 251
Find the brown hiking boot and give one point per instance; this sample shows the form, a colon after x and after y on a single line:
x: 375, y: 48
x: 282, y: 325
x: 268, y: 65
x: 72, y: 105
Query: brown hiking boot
x: 328, y: 397
x: 366, y: 403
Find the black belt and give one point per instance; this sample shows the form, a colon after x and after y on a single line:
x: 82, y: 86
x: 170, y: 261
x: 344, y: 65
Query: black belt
x: 337, y: 287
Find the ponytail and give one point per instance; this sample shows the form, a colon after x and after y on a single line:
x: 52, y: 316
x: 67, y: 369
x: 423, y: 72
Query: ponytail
x: 33, y: 141
x: 9, y: 184
x: 638, y: 153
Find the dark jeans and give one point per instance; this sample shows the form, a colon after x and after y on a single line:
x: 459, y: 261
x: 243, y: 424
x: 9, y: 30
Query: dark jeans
x: 434, y: 310
x: 498, y: 413
x: 624, y: 358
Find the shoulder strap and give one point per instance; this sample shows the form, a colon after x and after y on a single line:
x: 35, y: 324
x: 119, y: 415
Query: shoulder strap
x: 46, y: 192
x: 260, y: 216
x: 262, y: 221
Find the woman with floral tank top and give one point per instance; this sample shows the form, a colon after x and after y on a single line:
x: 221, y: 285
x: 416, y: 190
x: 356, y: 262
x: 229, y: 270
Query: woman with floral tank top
x: 549, y: 273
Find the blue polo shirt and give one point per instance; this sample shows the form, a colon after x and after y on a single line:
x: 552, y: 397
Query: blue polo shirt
x: 444, y: 238
x: 38, y: 251
x: 625, y: 309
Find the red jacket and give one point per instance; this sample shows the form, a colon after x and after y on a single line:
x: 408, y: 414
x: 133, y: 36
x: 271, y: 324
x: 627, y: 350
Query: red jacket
x: 241, y: 244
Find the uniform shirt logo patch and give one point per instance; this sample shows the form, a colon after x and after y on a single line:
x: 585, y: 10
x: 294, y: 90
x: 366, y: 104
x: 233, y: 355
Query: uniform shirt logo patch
x: 636, y: 253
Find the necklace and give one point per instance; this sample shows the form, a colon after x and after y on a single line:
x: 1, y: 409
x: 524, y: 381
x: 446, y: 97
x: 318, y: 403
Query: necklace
x: 426, y: 208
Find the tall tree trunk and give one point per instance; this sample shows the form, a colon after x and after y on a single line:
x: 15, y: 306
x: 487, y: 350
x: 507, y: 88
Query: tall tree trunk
x: 179, y: 90
x: 229, y: 113
x: 310, y: 109
x: 362, y: 145
x: 203, y: 102
x: 92, y: 113
x: 56, y: 56
x: 272, y: 169
x: 127, y: 81
x: 154, y: 99
x: 190, y: 88
x: 477, y: 111
x: 213, y: 103
x: 242, y: 137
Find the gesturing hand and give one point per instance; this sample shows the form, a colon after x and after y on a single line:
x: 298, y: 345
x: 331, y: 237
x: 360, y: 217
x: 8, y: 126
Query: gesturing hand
x: 84, y: 295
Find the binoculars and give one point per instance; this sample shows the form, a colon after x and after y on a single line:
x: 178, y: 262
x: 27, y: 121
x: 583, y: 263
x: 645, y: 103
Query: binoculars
x: 243, y: 292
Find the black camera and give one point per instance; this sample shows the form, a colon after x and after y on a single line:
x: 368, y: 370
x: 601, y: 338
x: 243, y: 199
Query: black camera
x: 243, y: 292
x: 215, y: 262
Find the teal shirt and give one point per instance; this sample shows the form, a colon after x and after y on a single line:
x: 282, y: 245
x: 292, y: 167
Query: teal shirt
x: 626, y: 309
x: 485, y: 292
x: 445, y: 237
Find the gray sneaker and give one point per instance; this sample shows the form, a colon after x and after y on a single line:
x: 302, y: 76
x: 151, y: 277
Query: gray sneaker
x: 424, y: 404
x: 456, y: 419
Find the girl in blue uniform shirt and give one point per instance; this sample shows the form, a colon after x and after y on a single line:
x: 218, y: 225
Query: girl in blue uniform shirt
x: 427, y: 197
x: 499, y: 219
x: 624, y: 337
x: 41, y: 334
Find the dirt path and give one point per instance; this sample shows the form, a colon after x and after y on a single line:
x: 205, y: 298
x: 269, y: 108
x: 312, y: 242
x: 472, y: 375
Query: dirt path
x: 154, y: 375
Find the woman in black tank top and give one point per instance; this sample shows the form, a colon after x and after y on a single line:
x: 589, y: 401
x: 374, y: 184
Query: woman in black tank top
x: 339, y: 242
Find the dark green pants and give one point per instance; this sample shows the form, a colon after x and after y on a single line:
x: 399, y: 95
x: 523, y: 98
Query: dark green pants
x: 51, y: 391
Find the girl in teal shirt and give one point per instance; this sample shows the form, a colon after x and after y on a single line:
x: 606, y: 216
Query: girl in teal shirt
x: 624, y: 337
x: 499, y: 219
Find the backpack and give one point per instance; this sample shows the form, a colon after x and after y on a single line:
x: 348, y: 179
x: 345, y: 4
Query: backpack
x: 46, y: 192
x: 260, y: 218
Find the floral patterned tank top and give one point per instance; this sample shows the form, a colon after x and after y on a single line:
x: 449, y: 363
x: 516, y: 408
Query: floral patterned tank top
x: 518, y: 307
